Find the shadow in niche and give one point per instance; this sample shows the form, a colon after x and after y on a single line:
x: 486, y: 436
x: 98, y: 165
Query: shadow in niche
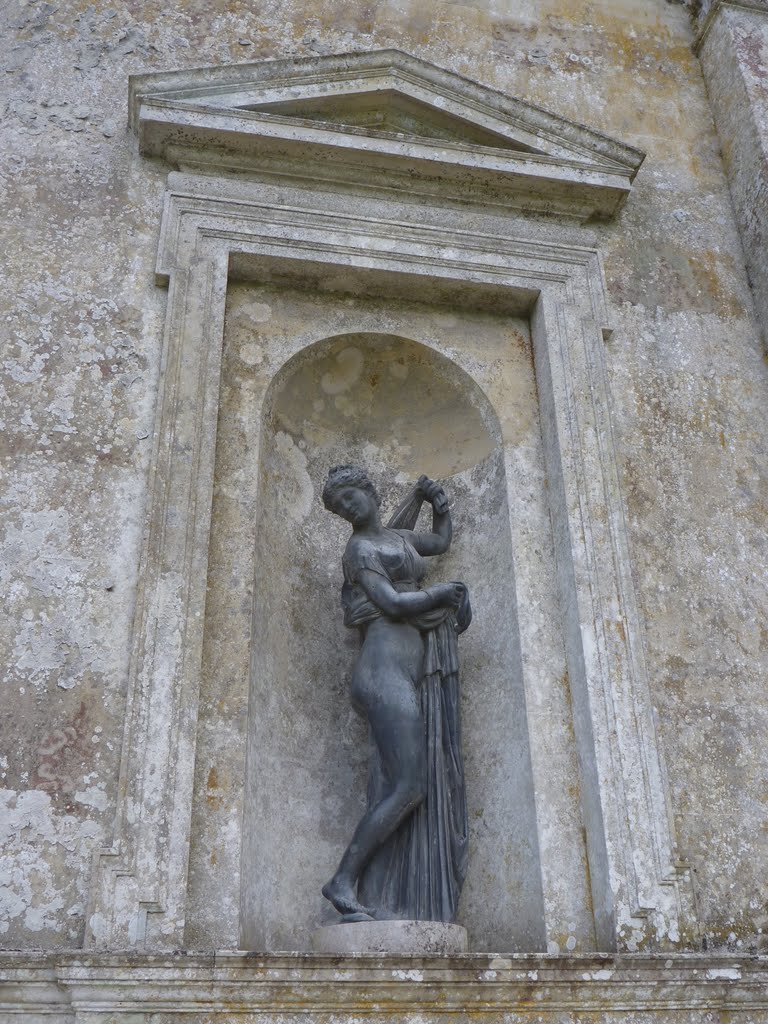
x: 399, y: 409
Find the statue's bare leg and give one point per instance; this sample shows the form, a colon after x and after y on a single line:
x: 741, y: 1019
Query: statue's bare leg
x: 384, y: 685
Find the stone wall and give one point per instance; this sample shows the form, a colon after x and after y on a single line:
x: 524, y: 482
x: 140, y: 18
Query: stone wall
x: 84, y: 324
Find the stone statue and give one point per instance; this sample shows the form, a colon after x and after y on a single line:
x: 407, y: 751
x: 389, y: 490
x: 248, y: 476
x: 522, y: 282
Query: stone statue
x: 408, y: 855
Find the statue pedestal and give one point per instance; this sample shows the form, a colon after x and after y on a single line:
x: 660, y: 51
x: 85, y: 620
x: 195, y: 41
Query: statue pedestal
x: 390, y: 937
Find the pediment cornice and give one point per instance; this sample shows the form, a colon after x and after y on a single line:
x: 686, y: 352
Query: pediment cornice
x: 384, y: 120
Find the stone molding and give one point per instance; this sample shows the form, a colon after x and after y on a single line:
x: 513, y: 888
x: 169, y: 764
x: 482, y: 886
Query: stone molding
x: 75, y: 988
x: 211, y: 117
x: 216, y: 227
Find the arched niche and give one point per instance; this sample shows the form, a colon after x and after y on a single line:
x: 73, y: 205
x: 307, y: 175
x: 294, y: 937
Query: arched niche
x: 399, y: 408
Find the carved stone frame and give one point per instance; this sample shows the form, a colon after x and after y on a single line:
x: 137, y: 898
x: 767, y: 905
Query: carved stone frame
x: 210, y: 225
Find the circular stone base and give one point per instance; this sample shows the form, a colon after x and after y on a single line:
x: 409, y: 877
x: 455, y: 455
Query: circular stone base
x: 390, y: 937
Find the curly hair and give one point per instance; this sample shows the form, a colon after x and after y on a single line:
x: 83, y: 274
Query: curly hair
x: 347, y: 476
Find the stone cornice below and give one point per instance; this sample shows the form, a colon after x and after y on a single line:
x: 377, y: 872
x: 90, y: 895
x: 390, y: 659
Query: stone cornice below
x: 217, y: 984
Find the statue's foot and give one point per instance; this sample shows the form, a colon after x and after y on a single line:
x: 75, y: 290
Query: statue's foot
x: 343, y: 897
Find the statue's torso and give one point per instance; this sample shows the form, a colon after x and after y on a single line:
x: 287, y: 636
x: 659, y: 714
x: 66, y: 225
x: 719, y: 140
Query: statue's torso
x: 390, y: 555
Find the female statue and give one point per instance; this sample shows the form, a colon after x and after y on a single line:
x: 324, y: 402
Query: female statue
x: 408, y: 855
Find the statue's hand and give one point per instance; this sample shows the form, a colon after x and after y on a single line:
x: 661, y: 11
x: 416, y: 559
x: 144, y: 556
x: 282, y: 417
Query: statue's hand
x: 448, y: 595
x: 434, y: 494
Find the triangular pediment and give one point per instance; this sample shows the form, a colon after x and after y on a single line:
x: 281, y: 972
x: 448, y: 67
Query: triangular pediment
x: 382, y: 113
x: 394, y: 112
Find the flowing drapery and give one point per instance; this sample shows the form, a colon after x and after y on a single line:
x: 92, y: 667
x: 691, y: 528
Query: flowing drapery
x: 418, y: 873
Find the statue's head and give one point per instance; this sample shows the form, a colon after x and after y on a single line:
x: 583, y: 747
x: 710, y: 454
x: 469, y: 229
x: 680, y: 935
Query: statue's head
x: 342, y: 479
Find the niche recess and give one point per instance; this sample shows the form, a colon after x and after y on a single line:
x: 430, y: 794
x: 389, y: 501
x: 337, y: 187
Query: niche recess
x: 293, y: 403
x: 400, y: 409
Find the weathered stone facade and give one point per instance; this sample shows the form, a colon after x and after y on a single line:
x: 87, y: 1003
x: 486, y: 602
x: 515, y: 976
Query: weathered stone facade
x: 680, y: 388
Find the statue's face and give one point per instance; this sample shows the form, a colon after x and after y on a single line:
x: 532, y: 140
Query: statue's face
x: 355, y: 505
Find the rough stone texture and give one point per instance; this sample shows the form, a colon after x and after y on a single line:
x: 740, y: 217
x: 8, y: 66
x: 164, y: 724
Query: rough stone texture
x: 84, y: 324
x: 418, y: 937
x: 294, y: 988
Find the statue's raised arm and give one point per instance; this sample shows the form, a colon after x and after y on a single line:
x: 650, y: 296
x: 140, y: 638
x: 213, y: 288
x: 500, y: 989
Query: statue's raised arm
x: 407, y: 513
x: 405, y: 682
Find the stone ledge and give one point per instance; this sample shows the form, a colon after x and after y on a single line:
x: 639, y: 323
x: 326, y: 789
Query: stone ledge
x: 60, y: 987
